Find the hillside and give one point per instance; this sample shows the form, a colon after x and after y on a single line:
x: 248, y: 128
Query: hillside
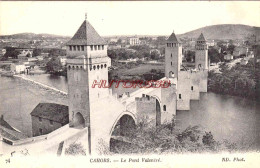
x: 31, y: 36
x: 224, y: 31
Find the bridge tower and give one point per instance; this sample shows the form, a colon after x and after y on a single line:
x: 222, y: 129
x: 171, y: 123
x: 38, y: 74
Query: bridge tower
x: 173, y: 56
x: 202, y: 62
x: 201, y: 55
x: 87, y: 63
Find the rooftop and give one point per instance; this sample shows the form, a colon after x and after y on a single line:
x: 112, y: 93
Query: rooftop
x: 52, y: 111
x: 201, y: 38
x: 173, y: 38
x: 86, y: 35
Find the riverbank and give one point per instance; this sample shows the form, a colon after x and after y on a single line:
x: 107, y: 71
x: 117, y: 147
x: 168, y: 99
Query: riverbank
x: 240, y: 80
x: 41, y: 84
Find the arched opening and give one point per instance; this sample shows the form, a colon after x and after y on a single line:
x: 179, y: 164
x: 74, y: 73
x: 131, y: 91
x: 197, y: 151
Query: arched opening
x: 121, y: 132
x: 79, y: 121
x: 124, y: 126
x: 171, y: 74
x: 164, y: 107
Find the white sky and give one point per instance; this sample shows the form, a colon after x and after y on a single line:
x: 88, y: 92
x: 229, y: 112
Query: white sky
x: 123, y: 18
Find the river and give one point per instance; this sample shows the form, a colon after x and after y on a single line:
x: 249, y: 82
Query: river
x: 227, y: 117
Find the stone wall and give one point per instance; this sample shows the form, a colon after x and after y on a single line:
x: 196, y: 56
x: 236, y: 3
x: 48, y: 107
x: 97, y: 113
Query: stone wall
x: 168, y: 99
x: 201, y: 58
x: 195, y: 82
x: 203, y: 76
x: 184, y: 90
x: 146, y: 108
x: 78, y: 89
x: 45, y: 125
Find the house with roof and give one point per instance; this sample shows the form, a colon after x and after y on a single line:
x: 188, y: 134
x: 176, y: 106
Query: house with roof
x: 18, y: 67
x: 47, y: 117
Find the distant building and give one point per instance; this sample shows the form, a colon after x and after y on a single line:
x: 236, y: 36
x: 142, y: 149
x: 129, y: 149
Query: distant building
x: 113, y: 47
x: 240, y: 51
x: 134, y: 41
x: 2, y: 52
x: 39, y: 58
x: 228, y: 57
x: 24, y: 53
x: 63, y: 60
x: 47, y: 117
x: 113, y: 40
x: 211, y: 43
x: 18, y: 68
x: 45, y: 54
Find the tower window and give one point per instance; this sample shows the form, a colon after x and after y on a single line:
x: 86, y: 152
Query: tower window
x: 98, y: 67
x: 82, y: 48
x: 105, y: 65
x: 164, y: 107
x: 191, y: 88
x: 74, y: 48
x: 70, y: 48
x: 94, y: 67
x: 91, y: 47
x: 171, y: 63
x: 179, y: 96
x: 78, y: 47
x: 102, y: 47
x: 95, y: 47
x: 98, y: 47
x: 171, y: 55
x: 101, y: 66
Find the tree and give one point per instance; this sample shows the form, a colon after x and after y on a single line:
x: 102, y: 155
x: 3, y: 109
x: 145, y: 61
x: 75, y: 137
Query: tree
x: 36, y: 52
x: 57, y: 52
x: 208, y: 139
x: 53, y: 66
x: 214, y: 56
x: 155, y: 55
x: 190, y: 56
x: 231, y: 48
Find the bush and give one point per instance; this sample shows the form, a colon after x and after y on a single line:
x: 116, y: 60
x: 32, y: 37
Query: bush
x: 208, y: 139
x: 75, y: 149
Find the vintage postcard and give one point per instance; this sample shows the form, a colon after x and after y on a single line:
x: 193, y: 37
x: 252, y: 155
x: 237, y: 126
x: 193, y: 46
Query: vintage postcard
x: 129, y: 84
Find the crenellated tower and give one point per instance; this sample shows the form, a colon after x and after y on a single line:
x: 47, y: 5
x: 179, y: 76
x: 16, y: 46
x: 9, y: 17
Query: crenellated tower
x: 173, y: 56
x: 87, y: 64
x: 201, y: 55
x: 202, y: 62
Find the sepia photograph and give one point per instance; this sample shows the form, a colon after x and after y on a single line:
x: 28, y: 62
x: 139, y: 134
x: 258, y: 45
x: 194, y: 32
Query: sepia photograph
x: 129, y: 84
